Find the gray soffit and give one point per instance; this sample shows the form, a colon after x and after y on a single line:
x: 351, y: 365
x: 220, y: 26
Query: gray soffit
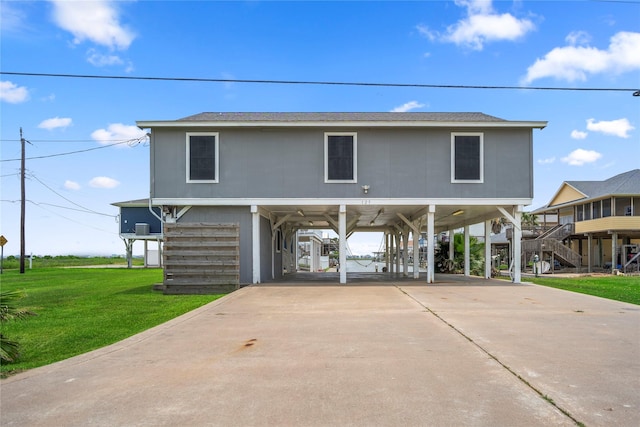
x: 380, y: 119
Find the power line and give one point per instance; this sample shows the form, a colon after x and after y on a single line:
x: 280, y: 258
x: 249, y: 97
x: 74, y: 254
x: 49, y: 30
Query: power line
x: 131, y: 142
x: 635, y: 91
x: 73, y: 220
x: 86, y: 210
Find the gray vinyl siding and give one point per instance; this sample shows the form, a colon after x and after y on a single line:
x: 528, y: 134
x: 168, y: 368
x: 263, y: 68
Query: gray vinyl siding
x: 394, y: 162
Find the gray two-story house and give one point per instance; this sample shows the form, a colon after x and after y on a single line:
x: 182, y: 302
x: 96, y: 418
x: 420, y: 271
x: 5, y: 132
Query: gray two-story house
x: 267, y: 175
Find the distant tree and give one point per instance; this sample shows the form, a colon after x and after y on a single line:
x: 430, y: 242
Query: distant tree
x: 10, y: 350
x: 529, y: 220
x: 476, y: 256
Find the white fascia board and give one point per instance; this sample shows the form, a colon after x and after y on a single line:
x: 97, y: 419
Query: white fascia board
x: 336, y: 202
x: 345, y: 124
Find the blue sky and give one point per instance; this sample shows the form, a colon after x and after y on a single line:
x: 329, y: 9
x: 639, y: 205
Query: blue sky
x: 592, y: 135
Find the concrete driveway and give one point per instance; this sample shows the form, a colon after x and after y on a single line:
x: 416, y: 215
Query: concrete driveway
x: 460, y: 353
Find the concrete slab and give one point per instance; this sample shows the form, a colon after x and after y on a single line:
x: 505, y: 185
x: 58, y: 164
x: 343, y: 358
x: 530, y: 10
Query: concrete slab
x: 583, y: 352
x: 318, y: 355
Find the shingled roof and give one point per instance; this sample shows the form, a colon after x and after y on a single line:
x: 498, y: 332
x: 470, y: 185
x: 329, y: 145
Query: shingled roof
x: 338, y: 117
x: 624, y: 184
x: 627, y: 183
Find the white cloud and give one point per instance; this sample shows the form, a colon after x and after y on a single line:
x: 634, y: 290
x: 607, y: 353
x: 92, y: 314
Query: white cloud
x: 100, y: 60
x: 12, y: 93
x: 620, y: 127
x: 426, y: 32
x: 578, y: 38
x: 483, y: 25
x: 573, y: 63
x: 579, y: 157
x: 103, y: 182
x: 577, y: 134
x: 12, y: 19
x: 54, y: 123
x: 117, y: 132
x: 411, y: 105
x: 97, y: 21
x: 71, y: 185
x: 547, y: 161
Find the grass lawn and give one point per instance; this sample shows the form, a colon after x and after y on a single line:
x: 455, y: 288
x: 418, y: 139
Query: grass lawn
x: 620, y: 288
x: 82, y: 309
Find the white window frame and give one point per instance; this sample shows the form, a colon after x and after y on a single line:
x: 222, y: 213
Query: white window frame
x: 453, y: 158
x: 216, y: 153
x: 326, y: 158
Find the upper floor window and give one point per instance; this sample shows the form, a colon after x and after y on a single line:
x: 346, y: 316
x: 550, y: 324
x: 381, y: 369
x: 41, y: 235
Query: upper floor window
x: 623, y: 206
x: 202, y: 157
x: 606, y: 208
x: 596, y: 209
x: 340, y: 157
x: 467, y: 157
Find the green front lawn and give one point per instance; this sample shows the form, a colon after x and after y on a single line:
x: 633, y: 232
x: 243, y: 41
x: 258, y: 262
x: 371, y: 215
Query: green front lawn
x: 620, y: 288
x: 82, y: 309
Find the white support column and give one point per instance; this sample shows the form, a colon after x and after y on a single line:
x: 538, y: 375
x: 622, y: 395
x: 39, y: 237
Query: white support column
x: 273, y: 254
x: 405, y: 252
x: 614, y: 250
x: 430, y: 244
x: 255, y: 243
x: 589, y: 244
x: 396, y: 238
x: 342, y: 234
x: 467, y: 251
x: 488, y: 265
x: 296, y: 245
x: 387, y: 248
x: 416, y: 255
x: 146, y: 252
x: 517, y: 245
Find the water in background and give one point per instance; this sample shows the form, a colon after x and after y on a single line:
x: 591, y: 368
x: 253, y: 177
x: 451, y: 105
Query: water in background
x: 364, y: 265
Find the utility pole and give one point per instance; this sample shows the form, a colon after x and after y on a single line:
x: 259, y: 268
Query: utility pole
x: 22, y: 205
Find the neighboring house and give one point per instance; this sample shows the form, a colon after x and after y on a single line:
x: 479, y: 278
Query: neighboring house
x: 598, y: 220
x: 138, y: 221
x: 310, y: 249
x: 271, y: 174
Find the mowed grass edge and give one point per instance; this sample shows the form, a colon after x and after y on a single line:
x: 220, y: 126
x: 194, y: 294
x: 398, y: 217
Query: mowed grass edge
x: 619, y: 288
x: 82, y: 309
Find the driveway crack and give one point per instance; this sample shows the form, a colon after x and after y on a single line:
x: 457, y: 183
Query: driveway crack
x: 488, y: 353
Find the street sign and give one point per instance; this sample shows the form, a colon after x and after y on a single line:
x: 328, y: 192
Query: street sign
x: 3, y: 240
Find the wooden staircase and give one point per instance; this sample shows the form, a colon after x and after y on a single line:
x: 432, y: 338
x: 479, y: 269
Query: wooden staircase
x: 551, y: 242
x: 201, y: 258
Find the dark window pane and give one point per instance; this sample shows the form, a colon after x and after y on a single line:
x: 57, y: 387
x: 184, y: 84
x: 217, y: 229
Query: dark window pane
x: 202, y: 157
x: 340, y: 157
x: 606, y: 208
x: 467, y: 157
x: 596, y: 209
x: 623, y: 206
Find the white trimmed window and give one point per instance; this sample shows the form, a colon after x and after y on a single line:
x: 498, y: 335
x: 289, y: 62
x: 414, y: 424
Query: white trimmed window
x: 467, y: 157
x: 340, y: 157
x: 202, y: 157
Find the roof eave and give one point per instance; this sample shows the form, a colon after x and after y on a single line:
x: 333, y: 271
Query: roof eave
x: 352, y: 124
